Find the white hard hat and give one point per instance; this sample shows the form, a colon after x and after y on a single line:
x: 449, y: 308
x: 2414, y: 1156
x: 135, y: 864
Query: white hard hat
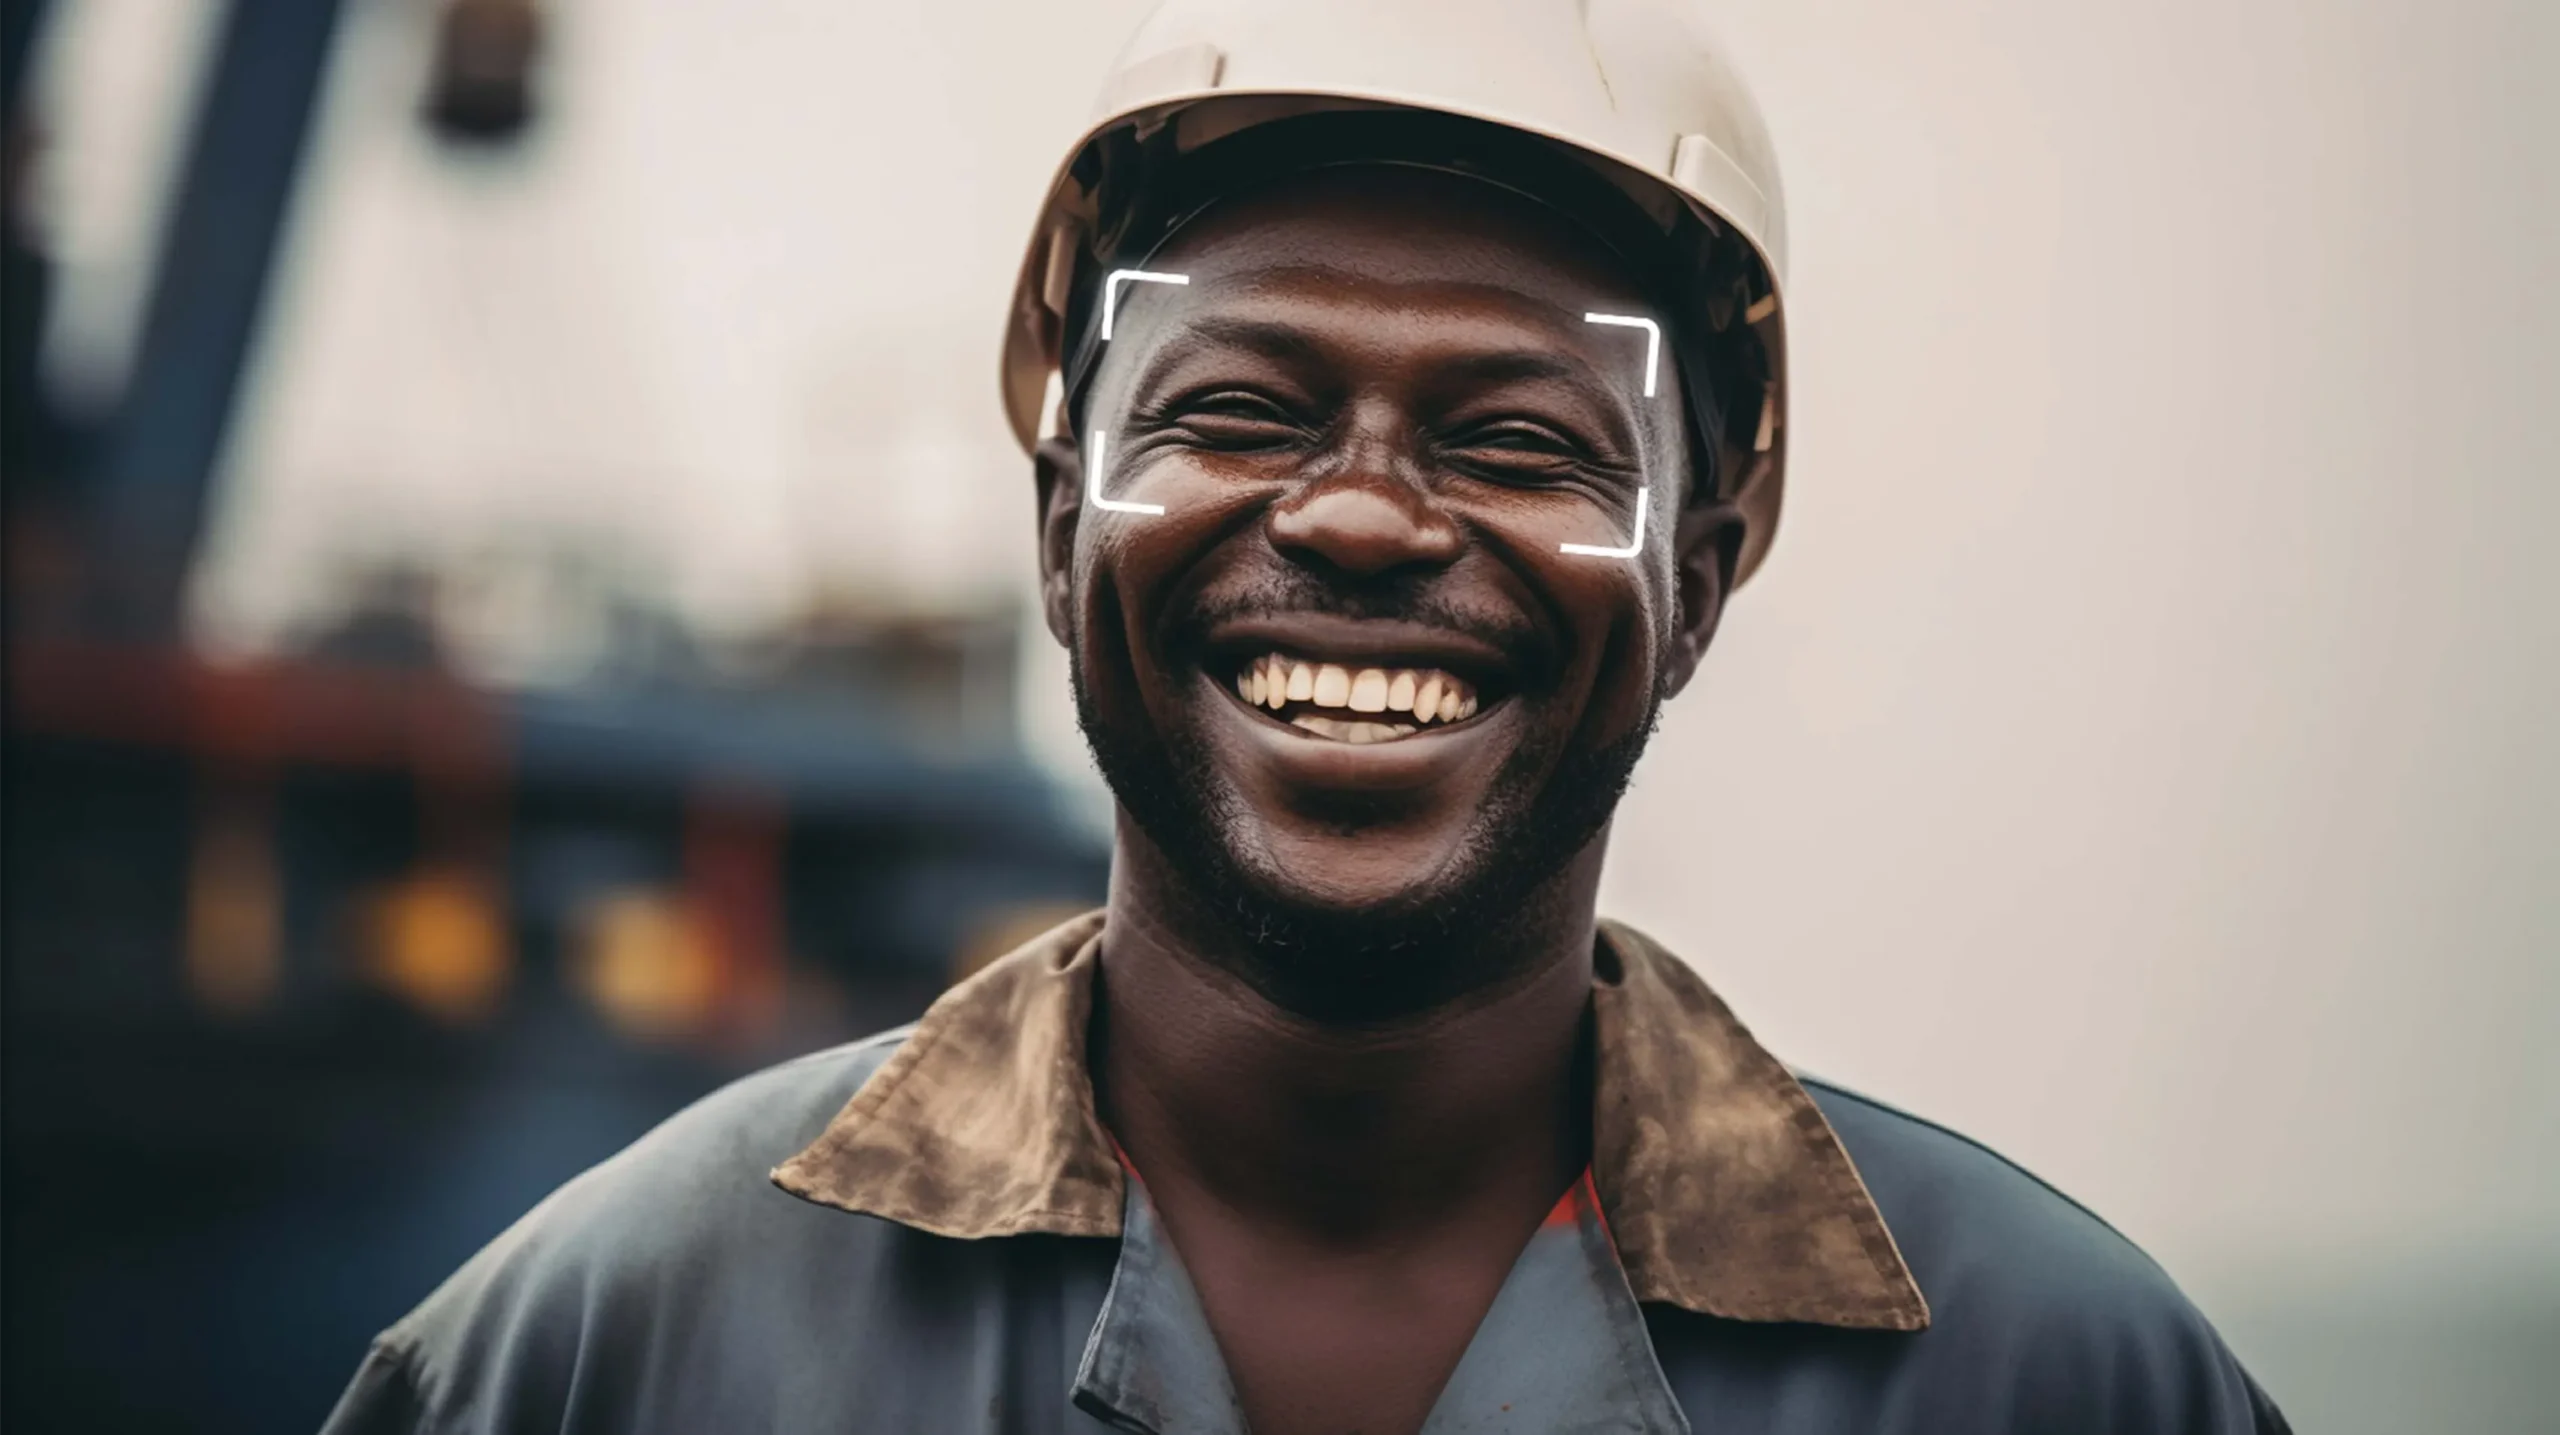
x: 1638, y: 91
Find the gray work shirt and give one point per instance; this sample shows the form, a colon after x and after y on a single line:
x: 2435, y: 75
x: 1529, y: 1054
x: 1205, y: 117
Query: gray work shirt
x: 930, y: 1231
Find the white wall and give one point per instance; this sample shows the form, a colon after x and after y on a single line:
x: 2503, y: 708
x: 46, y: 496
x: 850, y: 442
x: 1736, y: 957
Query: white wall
x: 2140, y: 749
x: 732, y: 310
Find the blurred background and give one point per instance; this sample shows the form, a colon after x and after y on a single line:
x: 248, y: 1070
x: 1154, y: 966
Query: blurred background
x: 518, y: 612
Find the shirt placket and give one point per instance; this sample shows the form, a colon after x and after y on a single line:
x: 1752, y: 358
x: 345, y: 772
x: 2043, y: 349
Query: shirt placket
x: 1152, y: 1363
x: 1563, y: 1351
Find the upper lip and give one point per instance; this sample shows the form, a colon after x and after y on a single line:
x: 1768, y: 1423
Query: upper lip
x: 1362, y: 642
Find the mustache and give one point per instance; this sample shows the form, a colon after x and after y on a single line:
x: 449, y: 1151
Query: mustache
x: 1407, y: 600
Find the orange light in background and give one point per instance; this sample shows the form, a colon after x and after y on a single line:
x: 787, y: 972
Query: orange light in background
x: 235, y: 937
x: 650, y: 964
x: 439, y: 941
x: 734, y: 838
x: 1005, y: 928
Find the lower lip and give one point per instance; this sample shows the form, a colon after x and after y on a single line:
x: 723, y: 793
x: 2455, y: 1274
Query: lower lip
x: 1415, y: 760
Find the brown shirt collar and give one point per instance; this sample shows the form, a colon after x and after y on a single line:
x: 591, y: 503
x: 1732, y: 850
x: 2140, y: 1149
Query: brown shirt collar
x: 1725, y: 1189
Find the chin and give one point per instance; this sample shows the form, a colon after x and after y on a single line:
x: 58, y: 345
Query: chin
x: 1344, y: 901
x: 1348, y: 867
x: 1374, y: 905
x: 1359, y: 894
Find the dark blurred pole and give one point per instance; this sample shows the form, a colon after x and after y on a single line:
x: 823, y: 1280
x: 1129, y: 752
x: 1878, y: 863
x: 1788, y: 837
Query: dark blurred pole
x: 217, y: 259
x: 19, y: 21
x: 23, y: 284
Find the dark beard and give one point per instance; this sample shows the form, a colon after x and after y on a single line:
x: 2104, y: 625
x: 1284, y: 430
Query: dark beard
x: 1387, y: 961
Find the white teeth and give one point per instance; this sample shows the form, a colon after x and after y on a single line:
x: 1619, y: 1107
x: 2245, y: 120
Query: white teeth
x: 1277, y: 680
x: 1369, y: 691
x: 1351, y: 731
x: 1333, y: 687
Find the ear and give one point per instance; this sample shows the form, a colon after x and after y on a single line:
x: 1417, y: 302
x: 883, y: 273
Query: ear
x: 1706, y: 542
x: 1057, y: 471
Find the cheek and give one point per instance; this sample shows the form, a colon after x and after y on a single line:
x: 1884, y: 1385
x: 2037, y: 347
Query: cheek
x: 1112, y: 577
x: 1131, y: 570
x: 1614, y: 608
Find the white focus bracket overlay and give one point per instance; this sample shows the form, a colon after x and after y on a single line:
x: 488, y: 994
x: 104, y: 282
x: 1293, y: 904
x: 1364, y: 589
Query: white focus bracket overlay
x: 1093, y: 487
x: 1652, y: 371
x: 1111, y: 291
x: 1652, y: 340
x: 1110, y: 310
x: 1599, y: 550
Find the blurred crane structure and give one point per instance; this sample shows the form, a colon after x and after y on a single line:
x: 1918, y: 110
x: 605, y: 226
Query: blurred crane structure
x: 323, y: 964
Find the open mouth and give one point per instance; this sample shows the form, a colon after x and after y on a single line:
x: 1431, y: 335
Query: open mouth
x: 1351, y: 703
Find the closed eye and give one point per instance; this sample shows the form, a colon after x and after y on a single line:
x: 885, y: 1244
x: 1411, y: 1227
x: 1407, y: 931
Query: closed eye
x: 1231, y: 421
x: 1518, y: 450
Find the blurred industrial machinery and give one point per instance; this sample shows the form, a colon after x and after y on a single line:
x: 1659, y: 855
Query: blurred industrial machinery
x: 323, y: 965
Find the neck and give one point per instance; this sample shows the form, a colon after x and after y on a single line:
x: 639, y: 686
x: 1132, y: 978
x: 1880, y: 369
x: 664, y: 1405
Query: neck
x: 1348, y: 1134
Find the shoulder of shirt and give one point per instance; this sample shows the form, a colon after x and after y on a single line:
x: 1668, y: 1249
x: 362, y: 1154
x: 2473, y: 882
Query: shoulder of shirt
x: 1897, y: 1134
x: 597, y: 1248
x: 2010, y: 1264
x: 1973, y: 1213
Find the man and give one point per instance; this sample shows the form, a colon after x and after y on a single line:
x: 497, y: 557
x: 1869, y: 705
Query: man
x: 1416, y: 401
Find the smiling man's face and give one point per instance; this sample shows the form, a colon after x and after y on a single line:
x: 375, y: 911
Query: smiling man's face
x: 1348, y: 682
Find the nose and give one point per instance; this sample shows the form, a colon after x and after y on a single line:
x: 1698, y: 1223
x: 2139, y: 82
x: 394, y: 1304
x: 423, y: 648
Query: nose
x: 1364, y: 522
